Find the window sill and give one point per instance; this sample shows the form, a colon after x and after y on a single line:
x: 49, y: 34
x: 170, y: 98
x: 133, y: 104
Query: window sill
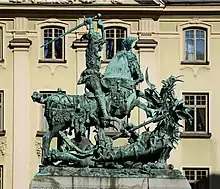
x: 199, y: 63
x: 49, y: 61
x: 40, y: 133
x: 196, y: 135
x: 2, y: 132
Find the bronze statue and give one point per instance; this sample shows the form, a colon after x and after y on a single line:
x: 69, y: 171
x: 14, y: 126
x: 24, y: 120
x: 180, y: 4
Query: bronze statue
x: 108, y: 98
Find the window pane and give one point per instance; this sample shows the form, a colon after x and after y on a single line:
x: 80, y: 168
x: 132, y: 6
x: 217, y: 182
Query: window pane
x: 189, y: 34
x: 201, y: 119
x: 109, y: 48
x: 200, y: 49
x: 193, y: 185
x: 200, y: 34
x: 190, y: 49
x: 120, y: 33
x: 1, y: 118
x: 1, y: 43
x: 48, y: 33
x: 47, y: 48
x: 189, y: 126
x: 109, y: 33
x: 59, y: 49
x: 119, y: 45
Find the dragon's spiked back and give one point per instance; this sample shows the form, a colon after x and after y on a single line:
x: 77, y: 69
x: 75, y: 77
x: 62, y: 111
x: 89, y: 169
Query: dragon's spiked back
x: 87, y: 21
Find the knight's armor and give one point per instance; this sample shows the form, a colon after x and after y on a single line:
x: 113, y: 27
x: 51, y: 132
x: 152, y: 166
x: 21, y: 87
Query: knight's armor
x: 91, y: 76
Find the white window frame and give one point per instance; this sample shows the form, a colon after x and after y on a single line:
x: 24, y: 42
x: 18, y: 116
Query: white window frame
x: 53, y: 28
x: 1, y: 176
x: 196, y: 169
x: 55, y: 23
x: 194, y: 29
x: 115, y: 23
x: 2, y: 110
x: 194, y: 24
x: 114, y: 28
x: 194, y: 106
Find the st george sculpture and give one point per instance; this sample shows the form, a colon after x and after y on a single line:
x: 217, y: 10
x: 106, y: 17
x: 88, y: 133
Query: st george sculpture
x: 109, y: 98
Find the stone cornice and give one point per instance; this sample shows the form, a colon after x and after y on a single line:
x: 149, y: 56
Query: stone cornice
x: 79, y: 44
x: 146, y: 43
x: 20, y: 43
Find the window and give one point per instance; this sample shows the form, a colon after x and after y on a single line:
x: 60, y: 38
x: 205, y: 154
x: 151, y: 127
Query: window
x: 1, y: 110
x: 195, y: 45
x: 54, y: 50
x: 1, y: 176
x: 199, y: 103
x: 114, y: 38
x: 197, y: 177
x: 1, y: 44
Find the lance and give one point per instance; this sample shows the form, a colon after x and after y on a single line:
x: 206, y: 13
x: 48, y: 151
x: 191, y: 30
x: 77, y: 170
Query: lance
x: 69, y: 31
x: 153, y: 120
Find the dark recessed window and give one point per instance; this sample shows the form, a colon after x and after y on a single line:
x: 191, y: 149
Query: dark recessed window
x: 54, y: 50
x: 114, y: 40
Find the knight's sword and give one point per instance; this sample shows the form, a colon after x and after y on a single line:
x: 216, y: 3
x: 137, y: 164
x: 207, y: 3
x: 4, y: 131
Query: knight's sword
x: 71, y: 30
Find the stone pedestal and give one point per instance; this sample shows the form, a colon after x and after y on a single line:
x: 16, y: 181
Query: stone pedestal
x: 71, y: 178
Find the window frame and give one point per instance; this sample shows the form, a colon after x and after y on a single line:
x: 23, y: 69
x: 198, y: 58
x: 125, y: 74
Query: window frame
x: 195, y: 133
x: 195, y: 169
x: 53, y: 59
x: 41, y: 129
x: 2, y: 112
x: 1, y: 44
x: 115, y: 39
x: 2, y: 178
x: 195, y: 61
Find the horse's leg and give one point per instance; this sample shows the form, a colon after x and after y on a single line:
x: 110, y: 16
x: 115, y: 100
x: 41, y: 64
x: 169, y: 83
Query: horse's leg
x: 46, y: 146
x: 46, y: 140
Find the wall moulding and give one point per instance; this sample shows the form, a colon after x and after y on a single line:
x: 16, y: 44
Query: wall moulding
x: 51, y: 66
x: 195, y: 68
x: 3, y: 145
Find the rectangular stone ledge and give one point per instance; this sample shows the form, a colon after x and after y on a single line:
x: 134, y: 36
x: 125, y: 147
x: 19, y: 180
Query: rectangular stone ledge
x: 40, y: 133
x: 50, y: 61
x: 199, y: 63
x: 2, y: 132
x: 53, y: 182
x: 196, y: 135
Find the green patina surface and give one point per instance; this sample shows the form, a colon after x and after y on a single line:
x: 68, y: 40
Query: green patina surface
x: 107, y: 100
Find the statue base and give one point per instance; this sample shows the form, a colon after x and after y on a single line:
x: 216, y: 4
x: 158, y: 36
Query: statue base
x: 51, y: 177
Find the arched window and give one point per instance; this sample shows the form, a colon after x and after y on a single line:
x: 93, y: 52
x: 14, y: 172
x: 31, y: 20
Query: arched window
x: 54, y: 50
x: 195, y: 44
x: 114, y: 38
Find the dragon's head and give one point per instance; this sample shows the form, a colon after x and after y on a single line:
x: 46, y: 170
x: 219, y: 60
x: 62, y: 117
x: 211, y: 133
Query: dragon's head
x: 169, y: 84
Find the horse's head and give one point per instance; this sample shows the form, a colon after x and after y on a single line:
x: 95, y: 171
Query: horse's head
x: 36, y: 97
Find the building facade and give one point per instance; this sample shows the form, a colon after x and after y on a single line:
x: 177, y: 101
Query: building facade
x: 175, y: 37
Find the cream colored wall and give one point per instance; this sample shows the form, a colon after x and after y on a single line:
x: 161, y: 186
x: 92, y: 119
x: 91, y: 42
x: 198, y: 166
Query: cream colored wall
x: 6, y: 83
x: 194, y: 152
